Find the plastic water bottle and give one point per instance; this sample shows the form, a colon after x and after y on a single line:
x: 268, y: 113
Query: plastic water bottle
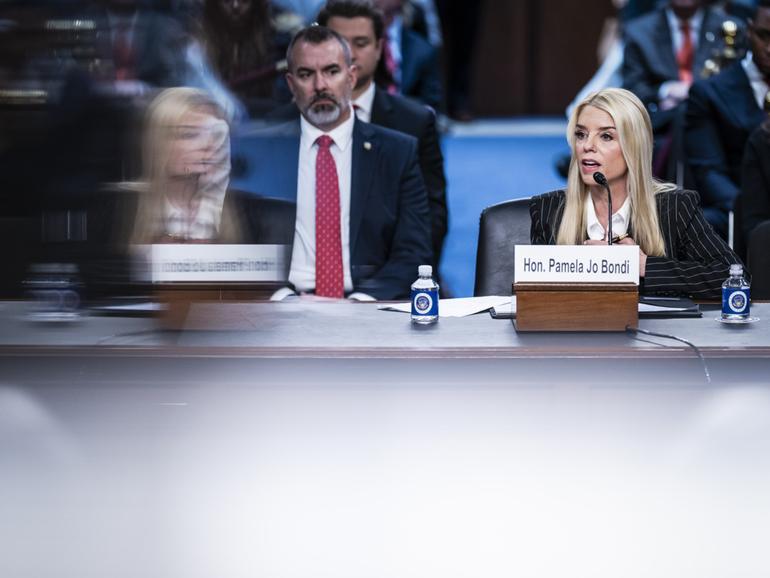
x: 425, y: 297
x: 736, y: 296
x: 53, y: 292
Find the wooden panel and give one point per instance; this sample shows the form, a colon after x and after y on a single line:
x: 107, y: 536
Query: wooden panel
x: 533, y: 56
x: 500, y: 65
x: 576, y: 307
x: 566, y: 54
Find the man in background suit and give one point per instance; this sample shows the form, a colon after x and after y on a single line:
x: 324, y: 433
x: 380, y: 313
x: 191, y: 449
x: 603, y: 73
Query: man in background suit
x: 410, y: 63
x: 362, y: 26
x: 362, y: 224
x: 665, y: 51
x: 721, y: 114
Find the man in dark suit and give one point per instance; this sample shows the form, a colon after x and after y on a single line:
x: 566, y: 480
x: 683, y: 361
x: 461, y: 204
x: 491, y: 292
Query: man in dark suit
x: 362, y: 26
x: 362, y: 224
x: 721, y: 114
x: 661, y: 61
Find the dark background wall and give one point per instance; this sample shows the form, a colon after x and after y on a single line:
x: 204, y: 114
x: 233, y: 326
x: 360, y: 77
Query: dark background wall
x: 532, y: 56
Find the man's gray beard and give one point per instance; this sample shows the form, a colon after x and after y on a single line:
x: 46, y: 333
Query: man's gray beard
x: 323, y: 117
x: 328, y: 115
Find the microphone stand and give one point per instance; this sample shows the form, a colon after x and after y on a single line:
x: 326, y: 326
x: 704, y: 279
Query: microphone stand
x: 602, y: 180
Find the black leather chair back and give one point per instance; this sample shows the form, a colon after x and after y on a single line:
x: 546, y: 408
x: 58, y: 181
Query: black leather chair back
x: 266, y: 221
x: 501, y: 227
x: 758, y: 261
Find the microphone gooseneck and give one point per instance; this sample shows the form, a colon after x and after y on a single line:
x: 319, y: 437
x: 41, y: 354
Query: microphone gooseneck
x: 602, y: 180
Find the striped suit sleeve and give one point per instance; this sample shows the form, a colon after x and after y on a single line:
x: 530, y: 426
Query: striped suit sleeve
x: 536, y: 232
x: 697, y: 260
x: 542, y: 214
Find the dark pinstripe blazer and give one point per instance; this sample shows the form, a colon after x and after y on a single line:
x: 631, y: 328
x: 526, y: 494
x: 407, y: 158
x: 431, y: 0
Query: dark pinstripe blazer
x: 697, y: 260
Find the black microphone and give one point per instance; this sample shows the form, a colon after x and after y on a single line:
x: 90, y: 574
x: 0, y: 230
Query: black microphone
x: 602, y: 180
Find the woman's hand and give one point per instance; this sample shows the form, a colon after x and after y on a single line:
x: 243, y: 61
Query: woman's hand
x: 642, y: 256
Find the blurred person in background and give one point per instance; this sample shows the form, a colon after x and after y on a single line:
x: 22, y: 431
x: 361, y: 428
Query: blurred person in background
x: 409, y: 63
x: 722, y: 111
x: 422, y: 17
x: 679, y: 253
x: 665, y: 51
x: 244, y: 46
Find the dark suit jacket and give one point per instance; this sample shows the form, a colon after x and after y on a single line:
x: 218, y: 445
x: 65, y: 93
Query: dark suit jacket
x: 649, y: 59
x: 404, y: 115
x: 420, y: 69
x: 389, y: 217
x: 721, y: 114
x: 410, y: 117
x: 755, y: 180
x: 697, y: 260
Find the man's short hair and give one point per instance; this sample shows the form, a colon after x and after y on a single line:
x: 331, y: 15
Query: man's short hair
x: 354, y: 9
x: 316, y: 34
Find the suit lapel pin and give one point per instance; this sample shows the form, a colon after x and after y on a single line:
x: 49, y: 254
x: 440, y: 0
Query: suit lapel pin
x: 367, y: 146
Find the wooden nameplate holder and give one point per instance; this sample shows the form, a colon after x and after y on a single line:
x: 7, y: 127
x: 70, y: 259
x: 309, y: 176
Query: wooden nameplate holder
x: 576, y: 306
x: 176, y: 299
x: 187, y: 273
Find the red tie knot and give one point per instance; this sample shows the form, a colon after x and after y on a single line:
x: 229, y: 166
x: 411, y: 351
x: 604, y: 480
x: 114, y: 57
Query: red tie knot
x: 324, y: 141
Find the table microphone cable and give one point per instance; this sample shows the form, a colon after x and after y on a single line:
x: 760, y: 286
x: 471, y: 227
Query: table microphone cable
x: 635, y: 330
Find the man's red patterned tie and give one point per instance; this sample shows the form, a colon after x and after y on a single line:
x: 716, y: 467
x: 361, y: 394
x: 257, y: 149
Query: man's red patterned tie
x: 328, y: 240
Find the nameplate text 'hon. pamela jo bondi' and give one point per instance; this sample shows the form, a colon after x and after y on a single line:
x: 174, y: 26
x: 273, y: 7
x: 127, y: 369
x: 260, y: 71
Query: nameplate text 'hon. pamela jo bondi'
x: 577, y: 264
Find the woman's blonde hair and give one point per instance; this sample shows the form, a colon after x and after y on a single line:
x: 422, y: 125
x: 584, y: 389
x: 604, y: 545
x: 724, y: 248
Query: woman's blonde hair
x: 635, y: 136
x: 165, y: 113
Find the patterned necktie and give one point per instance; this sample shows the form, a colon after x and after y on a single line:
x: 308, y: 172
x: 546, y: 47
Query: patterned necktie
x: 328, y: 240
x: 684, y: 57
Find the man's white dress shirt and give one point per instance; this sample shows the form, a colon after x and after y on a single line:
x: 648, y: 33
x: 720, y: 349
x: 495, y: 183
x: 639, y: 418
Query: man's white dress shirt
x: 758, y: 83
x: 364, y: 103
x: 302, y: 272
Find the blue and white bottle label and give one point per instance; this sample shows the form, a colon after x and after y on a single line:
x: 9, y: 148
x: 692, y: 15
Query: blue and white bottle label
x: 424, y: 302
x: 735, y: 301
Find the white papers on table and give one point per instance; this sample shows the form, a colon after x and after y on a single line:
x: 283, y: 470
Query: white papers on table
x: 460, y: 307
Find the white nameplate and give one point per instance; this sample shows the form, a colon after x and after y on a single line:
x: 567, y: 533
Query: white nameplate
x: 210, y: 263
x: 577, y: 264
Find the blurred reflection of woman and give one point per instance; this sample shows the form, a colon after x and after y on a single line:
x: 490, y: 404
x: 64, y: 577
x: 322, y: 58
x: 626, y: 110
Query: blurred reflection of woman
x: 186, y: 163
x: 679, y: 253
